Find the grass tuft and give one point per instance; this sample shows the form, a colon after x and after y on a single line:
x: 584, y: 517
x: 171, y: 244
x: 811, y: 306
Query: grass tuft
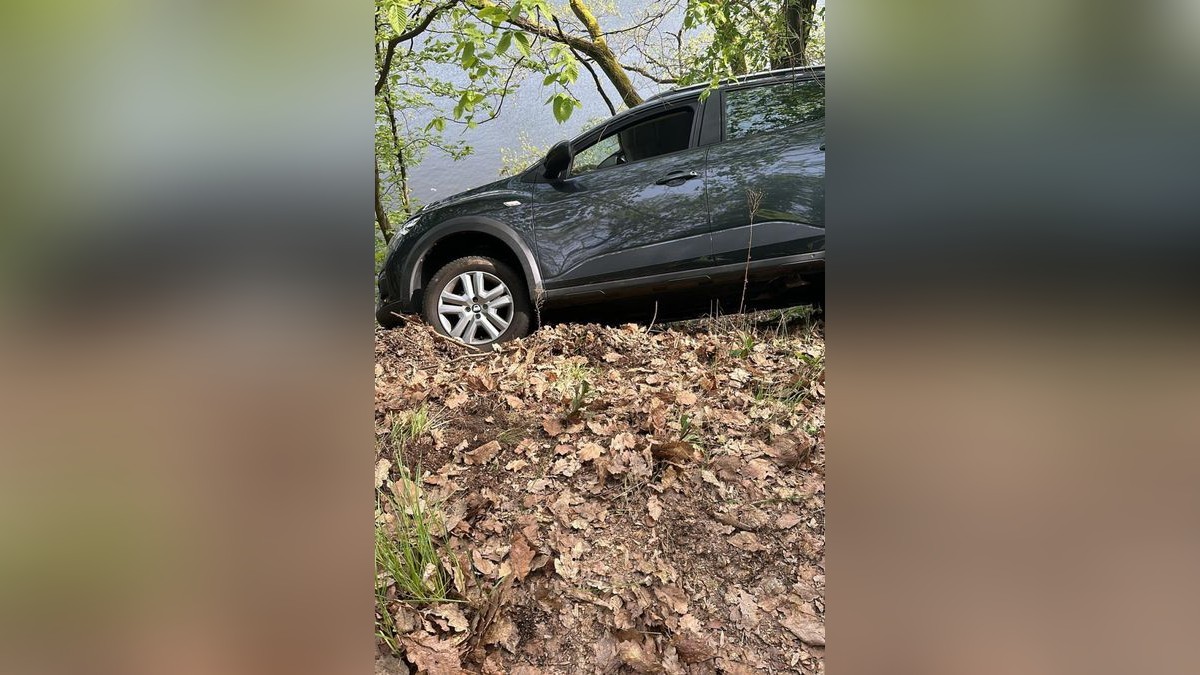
x: 412, y: 564
x: 409, y: 426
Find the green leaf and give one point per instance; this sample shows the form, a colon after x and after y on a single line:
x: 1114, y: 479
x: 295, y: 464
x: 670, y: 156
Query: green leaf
x: 505, y: 41
x: 468, y: 54
x: 563, y: 105
x: 550, y: 79
x: 523, y: 43
x: 397, y: 18
x: 493, y: 15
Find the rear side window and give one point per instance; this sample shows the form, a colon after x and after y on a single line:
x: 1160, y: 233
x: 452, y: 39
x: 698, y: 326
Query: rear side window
x: 773, y: 107
x: 656, y: 136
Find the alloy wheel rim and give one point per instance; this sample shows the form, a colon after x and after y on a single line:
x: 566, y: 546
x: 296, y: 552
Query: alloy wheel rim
x: 475, y: 307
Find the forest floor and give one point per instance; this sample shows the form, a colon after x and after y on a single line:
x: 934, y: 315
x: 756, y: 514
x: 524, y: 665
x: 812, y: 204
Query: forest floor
x: 594, y: 499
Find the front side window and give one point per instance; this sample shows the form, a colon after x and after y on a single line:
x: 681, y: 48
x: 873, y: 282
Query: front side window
x: 648, y: 138
x: 773, y: 107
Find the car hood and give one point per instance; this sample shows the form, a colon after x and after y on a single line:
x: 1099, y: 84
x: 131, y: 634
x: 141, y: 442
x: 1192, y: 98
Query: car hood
x: 466, y: 195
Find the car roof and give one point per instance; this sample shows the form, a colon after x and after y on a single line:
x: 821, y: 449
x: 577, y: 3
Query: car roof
x: 782, y: 74
x: 691, y: 91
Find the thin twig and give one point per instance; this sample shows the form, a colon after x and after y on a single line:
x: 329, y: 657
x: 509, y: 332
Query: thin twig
x: 596, y: 78
x: 753, y: 201
x: 445, y: 338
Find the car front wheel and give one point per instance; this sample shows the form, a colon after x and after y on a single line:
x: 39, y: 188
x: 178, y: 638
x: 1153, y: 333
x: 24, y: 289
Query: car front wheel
x: 478, y: 301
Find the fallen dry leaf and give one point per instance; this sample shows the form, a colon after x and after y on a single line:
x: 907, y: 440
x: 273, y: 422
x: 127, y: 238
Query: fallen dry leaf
x: 674, y: 451
x: 810, y: 629
x: 484, y: 453
x: 520, y: 555
x: 654, y: 507
x: 590, y: 451
x: 431, y: 655
x: 456, y: 400
x: 747, y: 541
x: 673, y: 597
x: 552, y: 426
x: 692, y: 649
x: 787, y: 521
x: 382, y: 467
x: 453, y: 615
x: 634, y: 655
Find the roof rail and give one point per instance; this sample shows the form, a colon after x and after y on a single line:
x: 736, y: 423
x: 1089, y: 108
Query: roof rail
x: 762, y: 75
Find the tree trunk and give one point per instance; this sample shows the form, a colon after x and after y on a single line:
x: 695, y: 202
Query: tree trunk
x: 381, y: 217
x: 401, y: 166
x: 604, y: 55
x: 617, y: 75
x: 798, y: 22
x: 594, y: 46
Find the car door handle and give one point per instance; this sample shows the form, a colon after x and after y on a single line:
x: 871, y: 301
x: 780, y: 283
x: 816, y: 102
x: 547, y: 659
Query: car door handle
x: 677, y: 177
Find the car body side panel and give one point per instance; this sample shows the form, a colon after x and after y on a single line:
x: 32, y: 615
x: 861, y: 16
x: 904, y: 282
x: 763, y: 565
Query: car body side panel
x: 619, y: 223
x: 783, y: 174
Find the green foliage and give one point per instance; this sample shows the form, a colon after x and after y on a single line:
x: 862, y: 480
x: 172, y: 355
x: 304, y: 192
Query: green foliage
x: 687, y: 430
x: 563, y: 104
x: 579, y: 398
x: 748, y: 36
x: 747, y: 346
x: 409, y: 426
x: 573, y: 382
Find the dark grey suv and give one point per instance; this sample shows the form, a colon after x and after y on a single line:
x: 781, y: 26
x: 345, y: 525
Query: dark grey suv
x: 682, y: 205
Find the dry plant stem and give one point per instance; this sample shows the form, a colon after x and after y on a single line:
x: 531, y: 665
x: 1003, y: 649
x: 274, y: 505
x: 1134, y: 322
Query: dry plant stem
x: 754, y: 202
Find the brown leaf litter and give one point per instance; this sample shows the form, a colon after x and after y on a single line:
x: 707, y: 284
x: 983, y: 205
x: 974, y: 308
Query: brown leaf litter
x: 672, y: 523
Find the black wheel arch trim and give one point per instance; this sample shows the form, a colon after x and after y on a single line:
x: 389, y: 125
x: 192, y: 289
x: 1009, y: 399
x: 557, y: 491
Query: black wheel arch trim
x: 414, y: 262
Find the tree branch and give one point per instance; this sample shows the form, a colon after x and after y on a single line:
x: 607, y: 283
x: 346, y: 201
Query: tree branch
x: 405, y: 37
x: 650, y: 76
x: 595, y: 78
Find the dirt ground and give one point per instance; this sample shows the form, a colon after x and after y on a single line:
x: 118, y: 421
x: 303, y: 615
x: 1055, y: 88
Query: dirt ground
x: 616, y: 499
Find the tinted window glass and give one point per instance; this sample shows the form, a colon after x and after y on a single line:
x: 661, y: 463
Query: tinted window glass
x: 776, y: 106
x: 656, y: 136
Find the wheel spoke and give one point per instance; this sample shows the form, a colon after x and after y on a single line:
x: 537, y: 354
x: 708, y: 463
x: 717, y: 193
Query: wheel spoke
x: 468, y: 287
x: 498, y: 292
x: 453, y: 299
x: 460, y: 329
x: 485, y: 322
x: 502, y: 301
x: 496, y: 320
x: 478, y: 281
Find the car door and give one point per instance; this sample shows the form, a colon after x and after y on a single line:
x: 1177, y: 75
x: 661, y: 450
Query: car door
x: 766, y: 178
x: 633, y: 205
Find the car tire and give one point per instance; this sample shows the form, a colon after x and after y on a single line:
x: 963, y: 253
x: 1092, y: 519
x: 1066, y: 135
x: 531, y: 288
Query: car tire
x: 477, y: 300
